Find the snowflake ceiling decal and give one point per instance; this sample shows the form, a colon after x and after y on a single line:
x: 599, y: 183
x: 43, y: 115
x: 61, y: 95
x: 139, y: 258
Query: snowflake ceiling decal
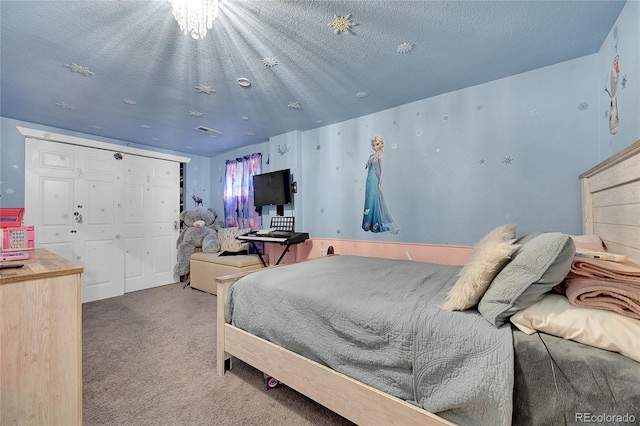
x: 405, y: 47
x: 145, y: 126
x: 341, y: 24
x: 362, y: 94
x: 269, y: 62
x: 295, y: 105
x: 196, y: 114
x: 130, y: 102
x: 96, y: 127
x: 66, y: 105
x: 204, y: 89
x: 77, y: 68
x: 250, y: 134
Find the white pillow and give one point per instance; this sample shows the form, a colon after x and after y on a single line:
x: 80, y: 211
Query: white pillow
x: 594, y: 327
x: 485, y: 261
x: 228, y: 242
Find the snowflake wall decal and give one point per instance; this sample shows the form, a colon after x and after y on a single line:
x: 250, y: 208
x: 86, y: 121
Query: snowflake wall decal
x: 77, y: 68
x: 130, y: 102
x: 196, y: 114
x: 269, y: 62
x: 362, y: 94
x: 145, y: 126
x: 250, y: 134
x: 624, y: 81
x: 507, y: 161
x: 405, y: 48
x: 66, y: 105
x: 295, y: 105
x: 204, y: 89
x: 341, y: 24
x: 583, y: 106
x: 96, y: 127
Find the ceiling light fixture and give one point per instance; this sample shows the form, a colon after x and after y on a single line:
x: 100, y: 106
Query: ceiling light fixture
x: 195, y: 16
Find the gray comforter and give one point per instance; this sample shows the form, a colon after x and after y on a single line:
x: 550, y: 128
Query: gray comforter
x: 378, y: 321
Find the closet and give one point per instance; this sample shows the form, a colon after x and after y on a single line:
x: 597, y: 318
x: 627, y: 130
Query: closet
x: 111, y: 209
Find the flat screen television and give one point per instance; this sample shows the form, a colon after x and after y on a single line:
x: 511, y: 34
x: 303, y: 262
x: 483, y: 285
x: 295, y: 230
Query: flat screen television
x: 272, y: 189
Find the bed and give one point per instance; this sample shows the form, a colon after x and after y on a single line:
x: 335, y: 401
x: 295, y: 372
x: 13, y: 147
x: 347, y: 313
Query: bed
x: 505, y: 377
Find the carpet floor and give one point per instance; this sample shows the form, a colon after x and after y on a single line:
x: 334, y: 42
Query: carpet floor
x: 149, y: 358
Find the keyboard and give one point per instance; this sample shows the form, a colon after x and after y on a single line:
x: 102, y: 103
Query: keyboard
x: 282, y: 237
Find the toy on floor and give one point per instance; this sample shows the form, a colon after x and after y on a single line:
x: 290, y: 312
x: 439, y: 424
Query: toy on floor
x: 201, y: 231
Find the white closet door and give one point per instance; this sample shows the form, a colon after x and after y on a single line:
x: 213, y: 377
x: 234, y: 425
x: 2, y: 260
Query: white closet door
x: 117, y: 218
x: 152, y: 191
x: 72, y: 195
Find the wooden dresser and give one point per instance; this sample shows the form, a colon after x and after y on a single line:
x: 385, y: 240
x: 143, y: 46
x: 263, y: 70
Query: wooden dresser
x: 41, y: 342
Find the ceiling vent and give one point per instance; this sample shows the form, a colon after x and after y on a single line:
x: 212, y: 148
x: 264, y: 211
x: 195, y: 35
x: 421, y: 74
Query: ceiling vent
x: 208, y: 130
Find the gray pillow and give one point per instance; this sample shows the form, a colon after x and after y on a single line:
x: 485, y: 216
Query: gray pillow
x: 540, y: 264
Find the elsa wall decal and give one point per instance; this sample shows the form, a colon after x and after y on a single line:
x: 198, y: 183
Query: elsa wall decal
x: 376, y: 216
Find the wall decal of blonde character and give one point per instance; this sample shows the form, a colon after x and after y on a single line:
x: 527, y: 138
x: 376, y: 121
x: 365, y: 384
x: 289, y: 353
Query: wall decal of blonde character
x: 376, y: 217
x: 613, y: 106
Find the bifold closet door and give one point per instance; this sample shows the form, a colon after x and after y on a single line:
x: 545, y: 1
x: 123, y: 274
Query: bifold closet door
x: 116, y: 215
x: 151, y: 221
x: 72, y: 197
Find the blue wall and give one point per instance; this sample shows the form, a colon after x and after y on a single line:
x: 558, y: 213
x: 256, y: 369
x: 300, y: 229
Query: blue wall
x: 459, y: 164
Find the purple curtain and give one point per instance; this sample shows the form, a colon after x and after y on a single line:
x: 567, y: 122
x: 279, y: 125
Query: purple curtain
x: 238, y: 192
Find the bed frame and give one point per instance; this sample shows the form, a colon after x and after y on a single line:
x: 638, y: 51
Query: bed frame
x: 611, y: 209
x: 611, y: 202
x: 356, y: 401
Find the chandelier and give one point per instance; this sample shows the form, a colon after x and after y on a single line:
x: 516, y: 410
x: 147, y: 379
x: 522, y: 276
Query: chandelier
x: 195, y: 16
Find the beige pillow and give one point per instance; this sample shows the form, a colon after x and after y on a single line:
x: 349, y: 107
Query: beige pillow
x: 485, y: 261
x: 228, y: 242
x: 594, y: 327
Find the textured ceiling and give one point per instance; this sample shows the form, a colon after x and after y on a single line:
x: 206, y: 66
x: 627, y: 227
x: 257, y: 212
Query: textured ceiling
x: 124, y: 70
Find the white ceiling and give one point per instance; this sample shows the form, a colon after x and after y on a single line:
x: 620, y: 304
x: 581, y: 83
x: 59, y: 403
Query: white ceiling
x: 124, y: 70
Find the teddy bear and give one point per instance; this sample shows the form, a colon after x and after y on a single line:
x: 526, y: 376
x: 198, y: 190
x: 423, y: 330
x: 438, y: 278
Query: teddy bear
x: 201, y: 231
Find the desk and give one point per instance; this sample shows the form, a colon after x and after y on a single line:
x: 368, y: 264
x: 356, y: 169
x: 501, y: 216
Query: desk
x: 281, y: 237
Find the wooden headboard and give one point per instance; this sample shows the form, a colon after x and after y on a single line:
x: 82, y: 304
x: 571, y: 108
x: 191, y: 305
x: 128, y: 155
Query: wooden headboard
x: 611, y: 202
